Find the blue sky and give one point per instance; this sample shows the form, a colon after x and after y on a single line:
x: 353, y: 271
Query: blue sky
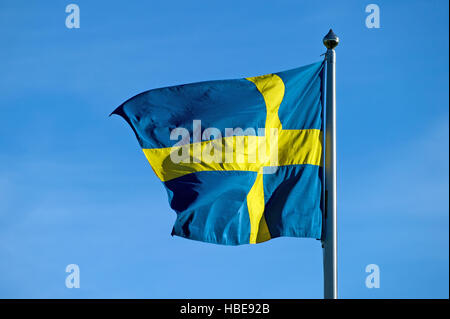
x: 75, y: 187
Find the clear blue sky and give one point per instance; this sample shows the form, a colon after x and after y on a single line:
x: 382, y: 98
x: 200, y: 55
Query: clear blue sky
x: 76, y: 188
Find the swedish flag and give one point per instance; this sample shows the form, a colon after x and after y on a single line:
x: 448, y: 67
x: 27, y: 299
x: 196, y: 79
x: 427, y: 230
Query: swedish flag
x: 241, y: 160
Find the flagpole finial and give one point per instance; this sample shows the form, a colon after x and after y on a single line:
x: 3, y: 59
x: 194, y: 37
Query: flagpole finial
x: 331, y: 40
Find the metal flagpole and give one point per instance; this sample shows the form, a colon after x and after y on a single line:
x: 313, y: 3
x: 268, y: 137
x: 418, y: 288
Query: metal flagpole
x: 330, y: 237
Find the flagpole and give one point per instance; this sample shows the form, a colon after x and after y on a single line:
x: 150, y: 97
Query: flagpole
x: 329, y: 243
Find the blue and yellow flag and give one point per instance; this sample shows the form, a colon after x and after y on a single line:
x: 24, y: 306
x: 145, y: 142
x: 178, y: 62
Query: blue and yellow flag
x: 241, y: 160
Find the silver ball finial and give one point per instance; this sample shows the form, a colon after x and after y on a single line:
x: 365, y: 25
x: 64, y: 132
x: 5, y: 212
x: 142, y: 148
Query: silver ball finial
x: 331, y: 40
